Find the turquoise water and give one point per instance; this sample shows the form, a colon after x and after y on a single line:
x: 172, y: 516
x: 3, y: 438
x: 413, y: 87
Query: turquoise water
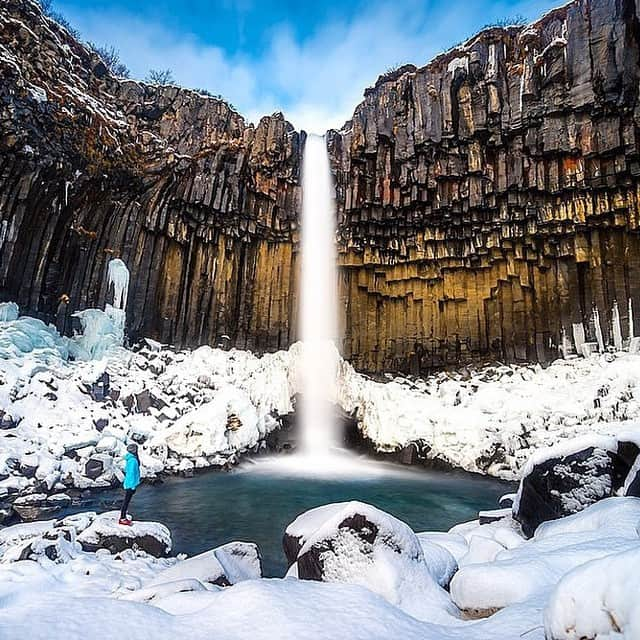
x: 256, y: 502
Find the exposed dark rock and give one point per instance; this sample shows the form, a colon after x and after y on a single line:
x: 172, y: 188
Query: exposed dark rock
x: 37, y: 506
x: 93, y: 468
x: 560, y: 486
x: 311, y: 562
x: 105, y: 533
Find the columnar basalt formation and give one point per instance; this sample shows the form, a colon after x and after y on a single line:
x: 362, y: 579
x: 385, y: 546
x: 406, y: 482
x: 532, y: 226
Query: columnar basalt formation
x: 490, y: 198
x: 200, y: 205
x: 486, y: 201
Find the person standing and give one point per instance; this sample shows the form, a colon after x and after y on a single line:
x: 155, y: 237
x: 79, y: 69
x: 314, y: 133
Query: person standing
x: 131, y: 480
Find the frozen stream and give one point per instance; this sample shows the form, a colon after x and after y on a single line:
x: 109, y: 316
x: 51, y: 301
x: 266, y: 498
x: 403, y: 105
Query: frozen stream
x: 256, y: 502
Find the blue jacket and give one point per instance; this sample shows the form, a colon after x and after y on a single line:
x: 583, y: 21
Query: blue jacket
x: 131, y: 472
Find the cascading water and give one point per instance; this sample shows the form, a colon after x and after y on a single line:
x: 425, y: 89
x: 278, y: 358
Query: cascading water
x: 318, y: 323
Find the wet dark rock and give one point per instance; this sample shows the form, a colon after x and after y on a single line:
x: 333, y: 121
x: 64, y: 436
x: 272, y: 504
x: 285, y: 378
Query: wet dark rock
x: 560, y: 486
x: 38, y: 506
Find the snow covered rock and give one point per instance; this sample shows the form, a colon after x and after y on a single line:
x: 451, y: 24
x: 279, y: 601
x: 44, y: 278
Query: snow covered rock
x: 105, y: 533
x: 57, y: 544
x: 598, y: 600
x: 356, y: 543
x: 223, y: 566
x: 562, y: 480
x: 500, y: 577
x: 36, y: 506
x: 297, y: 533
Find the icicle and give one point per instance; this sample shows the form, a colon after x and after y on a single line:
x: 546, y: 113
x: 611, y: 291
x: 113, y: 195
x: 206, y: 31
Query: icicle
x: 616, y: 327
x: 631, y: 330
x: 578, y: 337
x: 67, y: 184
x: 564, y: 344
x: 118, y: 275
x: 598, y: 328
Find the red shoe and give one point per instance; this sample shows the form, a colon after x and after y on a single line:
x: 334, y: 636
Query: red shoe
x: 125, y: 521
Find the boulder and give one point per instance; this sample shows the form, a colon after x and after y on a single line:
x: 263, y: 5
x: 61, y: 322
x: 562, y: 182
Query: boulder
x: 93, y: 468
x: 303, y: 526
x: 632, y: 482
x: 356, y: 543
x: 105, y: 533
x: 563, y: 480
x: 39, y: 505
x: 223, y: 566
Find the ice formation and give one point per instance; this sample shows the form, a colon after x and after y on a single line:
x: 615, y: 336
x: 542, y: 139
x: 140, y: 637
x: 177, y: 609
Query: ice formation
x: 118, y: 277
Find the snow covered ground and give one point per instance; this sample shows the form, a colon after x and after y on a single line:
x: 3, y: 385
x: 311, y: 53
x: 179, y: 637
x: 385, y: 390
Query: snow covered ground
x: 575, y: 579
x: 202, y: 408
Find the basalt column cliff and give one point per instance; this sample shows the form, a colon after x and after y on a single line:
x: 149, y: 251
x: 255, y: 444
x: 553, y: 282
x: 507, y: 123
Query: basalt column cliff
x: 201, y: 206
x: 486, y: 202
x: 490, y: 198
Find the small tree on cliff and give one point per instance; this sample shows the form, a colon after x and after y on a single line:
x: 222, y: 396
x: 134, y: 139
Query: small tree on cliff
x: 160, y: 76
x: 111, y: 57
x: 48, y: 10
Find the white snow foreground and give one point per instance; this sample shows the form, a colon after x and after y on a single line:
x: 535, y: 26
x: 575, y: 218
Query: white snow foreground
x: 576, y: 579
x: 202, y: 408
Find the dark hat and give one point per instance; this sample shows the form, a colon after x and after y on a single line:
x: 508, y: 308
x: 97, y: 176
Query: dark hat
x: 132, y: 447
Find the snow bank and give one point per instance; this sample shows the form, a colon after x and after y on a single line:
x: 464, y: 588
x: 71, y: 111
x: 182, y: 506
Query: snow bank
x: 530, y: 569
x: 597, y: 600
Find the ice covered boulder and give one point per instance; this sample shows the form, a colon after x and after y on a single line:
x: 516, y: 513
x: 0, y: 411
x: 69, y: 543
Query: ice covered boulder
x: 597, y: 600
x: 356, y: 543
x: 223, y: 566
x: 105, y: 533
x: 9, y: 311
x: 564, y: 479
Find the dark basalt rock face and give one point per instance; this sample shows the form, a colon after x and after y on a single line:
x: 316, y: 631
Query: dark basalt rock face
x: 200, y: 205
x: 489, y: 199
x: 485, y: 201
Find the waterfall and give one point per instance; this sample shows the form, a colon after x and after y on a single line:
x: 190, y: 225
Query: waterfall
x: 318, y: 325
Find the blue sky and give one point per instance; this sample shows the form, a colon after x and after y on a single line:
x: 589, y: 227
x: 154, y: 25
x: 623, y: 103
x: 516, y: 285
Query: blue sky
x: 311, y: 60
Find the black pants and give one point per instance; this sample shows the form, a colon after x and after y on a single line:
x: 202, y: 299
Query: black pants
x: 128, y: 494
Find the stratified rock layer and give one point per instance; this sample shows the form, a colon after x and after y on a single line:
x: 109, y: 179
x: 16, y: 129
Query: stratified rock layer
x: 486, y: 201
x: 490, y: 198
x: 200, y: 205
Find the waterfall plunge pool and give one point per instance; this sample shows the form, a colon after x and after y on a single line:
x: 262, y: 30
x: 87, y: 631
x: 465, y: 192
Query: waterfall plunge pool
x: 256, y: 501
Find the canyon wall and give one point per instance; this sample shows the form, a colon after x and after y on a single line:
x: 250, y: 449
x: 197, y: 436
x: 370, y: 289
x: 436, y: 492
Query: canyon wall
x: 485, y: 201
x: 490, y: 198
x: 200, y: 205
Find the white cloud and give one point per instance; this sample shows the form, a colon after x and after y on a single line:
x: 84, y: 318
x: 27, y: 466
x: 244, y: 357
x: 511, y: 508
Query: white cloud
x: 317, y: 81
